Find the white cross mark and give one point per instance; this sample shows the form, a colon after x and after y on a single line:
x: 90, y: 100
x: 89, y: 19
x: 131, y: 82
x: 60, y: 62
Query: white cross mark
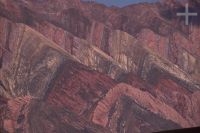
x: 187, y: 14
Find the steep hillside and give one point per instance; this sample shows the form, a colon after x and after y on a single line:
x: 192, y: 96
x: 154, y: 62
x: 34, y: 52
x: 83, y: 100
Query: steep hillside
x: 68, y: 66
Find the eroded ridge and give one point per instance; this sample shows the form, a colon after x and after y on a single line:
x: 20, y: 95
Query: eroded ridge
x: 144, y: 99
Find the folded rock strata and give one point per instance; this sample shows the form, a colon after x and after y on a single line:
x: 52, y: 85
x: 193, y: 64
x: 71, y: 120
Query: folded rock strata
x: 29, y: 86
x: 62, y: 69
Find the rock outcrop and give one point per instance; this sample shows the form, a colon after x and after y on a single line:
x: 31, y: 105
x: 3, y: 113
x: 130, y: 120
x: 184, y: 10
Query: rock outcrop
x: 73, y: 66
x: 34, y: 69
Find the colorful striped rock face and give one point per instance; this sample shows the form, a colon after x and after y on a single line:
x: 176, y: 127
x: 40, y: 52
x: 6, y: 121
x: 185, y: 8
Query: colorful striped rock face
x: 71, y: 66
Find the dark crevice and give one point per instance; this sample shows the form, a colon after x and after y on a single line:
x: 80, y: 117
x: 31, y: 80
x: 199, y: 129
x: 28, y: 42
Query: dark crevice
x: 9, y: 30
x: 1, y: 61
x: 2, y: 85
x: 20, y: 119
x: 153, y: 76
x: 28, y: 16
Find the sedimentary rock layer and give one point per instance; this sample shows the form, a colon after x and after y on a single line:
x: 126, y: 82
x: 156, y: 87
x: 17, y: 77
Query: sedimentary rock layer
x: 83, y: 67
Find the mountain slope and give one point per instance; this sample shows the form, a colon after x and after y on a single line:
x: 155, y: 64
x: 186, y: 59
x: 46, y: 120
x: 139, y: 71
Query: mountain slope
x: 63, y: 69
